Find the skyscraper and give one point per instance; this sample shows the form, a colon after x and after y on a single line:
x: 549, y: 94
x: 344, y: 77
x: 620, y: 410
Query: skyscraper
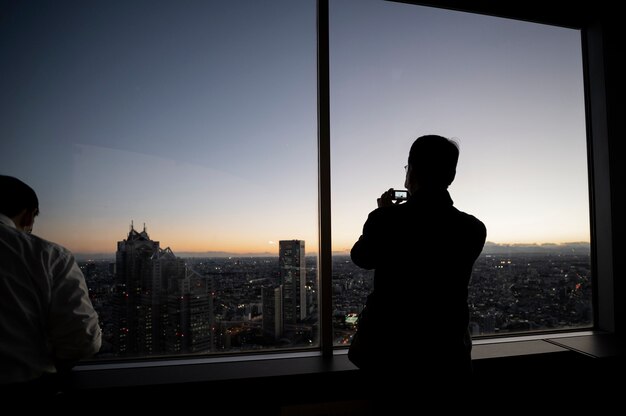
x: 160, y: 306
x: 167, y: 269
x: 272, y: 311
x: 293, y: 280
x: 190, y: 319
x: 132, y: 305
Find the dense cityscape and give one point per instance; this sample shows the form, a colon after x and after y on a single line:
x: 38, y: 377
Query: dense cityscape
x: 151, y: 302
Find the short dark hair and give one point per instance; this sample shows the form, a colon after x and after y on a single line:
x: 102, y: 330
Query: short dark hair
x: 433, y: 160
x: 15, y: 196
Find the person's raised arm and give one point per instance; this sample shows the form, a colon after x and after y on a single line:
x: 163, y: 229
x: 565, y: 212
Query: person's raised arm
x: 367, y: 250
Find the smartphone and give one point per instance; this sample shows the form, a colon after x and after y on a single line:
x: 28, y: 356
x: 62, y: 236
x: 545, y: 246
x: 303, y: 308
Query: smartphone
x: 400, y: 195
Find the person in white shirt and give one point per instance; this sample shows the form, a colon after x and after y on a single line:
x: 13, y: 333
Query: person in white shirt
x: 47, y: 321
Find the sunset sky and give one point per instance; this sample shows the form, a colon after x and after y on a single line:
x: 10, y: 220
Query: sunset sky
x: 199, y: 119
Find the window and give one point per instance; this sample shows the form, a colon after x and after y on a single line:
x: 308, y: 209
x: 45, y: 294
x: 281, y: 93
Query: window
x: 182, y: 140
x: 512, y: 95
x: 174, y: 150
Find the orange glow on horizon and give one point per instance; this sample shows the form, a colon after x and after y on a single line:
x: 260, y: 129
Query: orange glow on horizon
x: 98, y: 239
x: 235, y: 248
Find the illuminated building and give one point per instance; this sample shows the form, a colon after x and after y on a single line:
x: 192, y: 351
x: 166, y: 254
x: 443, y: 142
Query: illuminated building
x: 132, y: 309
x: 293, y: 280
x: 190, y: 319
x: 272, y: 311
x: 159, y: 305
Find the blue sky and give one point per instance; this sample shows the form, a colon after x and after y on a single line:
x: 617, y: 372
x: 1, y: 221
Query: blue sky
x: 199, y: 118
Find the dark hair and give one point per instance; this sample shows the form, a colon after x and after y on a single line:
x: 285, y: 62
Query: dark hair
x: 15, y: 196
x: 433, y: 161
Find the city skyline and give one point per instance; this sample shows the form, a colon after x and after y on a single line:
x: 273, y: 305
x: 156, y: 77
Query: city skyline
x: 510, y: 293
x: 490, y: 247
x: 207, y: 131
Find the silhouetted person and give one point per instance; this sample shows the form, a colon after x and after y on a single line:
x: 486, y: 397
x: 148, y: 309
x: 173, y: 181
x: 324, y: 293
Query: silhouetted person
x: 415, y: 322
x: 47, y: 321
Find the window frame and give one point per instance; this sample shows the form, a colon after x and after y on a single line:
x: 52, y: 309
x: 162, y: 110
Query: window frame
x: 600, y: 203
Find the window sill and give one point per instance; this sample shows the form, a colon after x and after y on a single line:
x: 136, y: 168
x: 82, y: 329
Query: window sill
x: 207, y: 370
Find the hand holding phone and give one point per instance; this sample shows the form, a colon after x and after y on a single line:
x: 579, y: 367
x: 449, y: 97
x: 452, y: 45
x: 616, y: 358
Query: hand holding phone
x: 392, y: 197
x: 400, y: 195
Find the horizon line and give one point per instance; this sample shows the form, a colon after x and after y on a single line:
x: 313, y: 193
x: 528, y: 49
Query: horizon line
x: 221, y: 253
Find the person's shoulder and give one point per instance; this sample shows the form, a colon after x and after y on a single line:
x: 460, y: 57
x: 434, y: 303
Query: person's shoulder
x: 471, y: 220
x: 55, y: 249
x: 392, y: 211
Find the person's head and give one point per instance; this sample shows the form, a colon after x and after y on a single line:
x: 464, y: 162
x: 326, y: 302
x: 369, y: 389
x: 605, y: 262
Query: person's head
x: 19, y: 202
x: 432, y: 163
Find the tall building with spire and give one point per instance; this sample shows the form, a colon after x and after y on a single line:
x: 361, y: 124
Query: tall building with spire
x: 133, y: 288
x: 293, y: 280
x: 158, y: 300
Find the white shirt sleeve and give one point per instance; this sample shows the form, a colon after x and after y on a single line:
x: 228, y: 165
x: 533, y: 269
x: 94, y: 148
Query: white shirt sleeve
x: 73, y: 327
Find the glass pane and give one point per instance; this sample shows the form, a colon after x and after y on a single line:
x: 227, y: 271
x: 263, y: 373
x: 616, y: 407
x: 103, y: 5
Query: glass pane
x: 511, y: 94
x: 174, y: 150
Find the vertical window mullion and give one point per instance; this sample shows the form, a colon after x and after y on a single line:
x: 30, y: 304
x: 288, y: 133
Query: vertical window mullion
x: 323, y: 120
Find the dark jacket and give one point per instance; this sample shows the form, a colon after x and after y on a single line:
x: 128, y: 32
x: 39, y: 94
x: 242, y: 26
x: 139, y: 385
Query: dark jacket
x: 423, y: 254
